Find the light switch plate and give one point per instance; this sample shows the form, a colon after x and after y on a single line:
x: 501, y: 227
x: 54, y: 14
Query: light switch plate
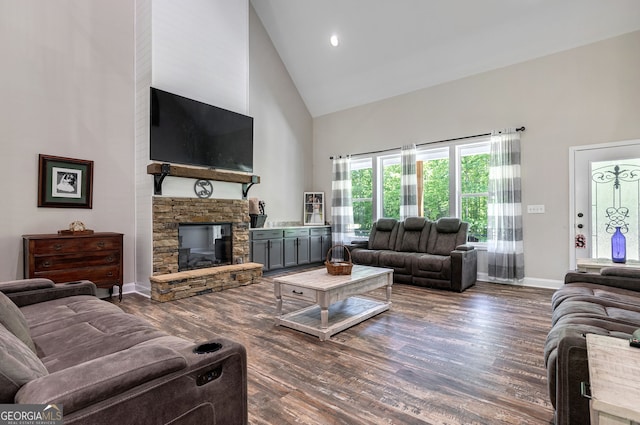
x: 535, y: 209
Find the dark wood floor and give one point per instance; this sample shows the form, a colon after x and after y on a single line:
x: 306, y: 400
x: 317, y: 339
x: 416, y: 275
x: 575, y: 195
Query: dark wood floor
x: 435, y: 357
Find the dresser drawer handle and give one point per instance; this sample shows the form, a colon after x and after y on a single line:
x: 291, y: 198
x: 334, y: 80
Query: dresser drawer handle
x: 110, y: 274
x: 110, y: 259
x: 297, y: 292
x: 101, y: 244
x: 46, y: 264
x: 57, y: 246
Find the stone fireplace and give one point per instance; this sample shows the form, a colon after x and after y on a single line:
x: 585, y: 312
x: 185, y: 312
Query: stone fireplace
x: 168, y: 282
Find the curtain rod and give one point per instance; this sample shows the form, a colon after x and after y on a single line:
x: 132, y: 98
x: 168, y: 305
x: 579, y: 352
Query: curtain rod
x: 429, y: 143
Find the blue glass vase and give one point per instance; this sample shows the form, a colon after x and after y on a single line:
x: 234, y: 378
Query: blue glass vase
x: 618, y: 247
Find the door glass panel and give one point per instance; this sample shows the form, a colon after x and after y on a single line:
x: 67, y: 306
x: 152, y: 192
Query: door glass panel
x: 615, y: 197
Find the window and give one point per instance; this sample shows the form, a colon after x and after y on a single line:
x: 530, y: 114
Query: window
x: 474, y: 189
x: 433, y: 183
x: 453, y: 180
x: 362, y: 195
x: 391, y: 176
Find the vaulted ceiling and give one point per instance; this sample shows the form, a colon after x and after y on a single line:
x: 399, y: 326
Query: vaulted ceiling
x: 391, y: 47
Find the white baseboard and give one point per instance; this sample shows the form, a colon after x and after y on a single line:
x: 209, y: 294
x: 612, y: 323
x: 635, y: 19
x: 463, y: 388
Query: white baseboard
x: 527, y: 281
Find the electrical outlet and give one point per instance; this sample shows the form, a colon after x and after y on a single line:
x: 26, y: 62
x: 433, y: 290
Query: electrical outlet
x: 535, y: 209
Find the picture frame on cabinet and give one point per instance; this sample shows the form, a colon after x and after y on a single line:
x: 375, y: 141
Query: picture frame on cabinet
x: 64, y: 182
x: 313, y: 208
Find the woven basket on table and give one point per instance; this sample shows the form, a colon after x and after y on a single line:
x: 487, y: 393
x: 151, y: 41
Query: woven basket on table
x: 339, y: 267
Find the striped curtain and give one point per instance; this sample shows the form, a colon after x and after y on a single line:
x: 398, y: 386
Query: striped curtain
x: 341, y: 205
x: 504, y: 245
x: 409, y: 183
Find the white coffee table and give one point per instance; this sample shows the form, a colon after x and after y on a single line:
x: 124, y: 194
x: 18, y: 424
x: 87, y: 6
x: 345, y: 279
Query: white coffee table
x: 336, y: 305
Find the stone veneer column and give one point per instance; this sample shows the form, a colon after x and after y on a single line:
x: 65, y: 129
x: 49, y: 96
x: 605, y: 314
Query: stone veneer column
x: 169, y: 212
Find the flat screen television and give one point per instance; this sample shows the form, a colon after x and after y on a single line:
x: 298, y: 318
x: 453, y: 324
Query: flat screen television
x: 185, y: 131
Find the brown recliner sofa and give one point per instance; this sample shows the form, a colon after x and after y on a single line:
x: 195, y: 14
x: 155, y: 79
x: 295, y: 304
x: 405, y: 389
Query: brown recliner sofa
x: 61, y: 345
x: 421, y: 252
x: 605, y: 304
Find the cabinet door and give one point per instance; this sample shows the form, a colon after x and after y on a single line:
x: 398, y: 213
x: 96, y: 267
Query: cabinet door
x: 260, y: 253
x: 326, y: 243
x: 316, y: 254
x: 276, y: 255
x: 303, y: 250
x: 290, y: 252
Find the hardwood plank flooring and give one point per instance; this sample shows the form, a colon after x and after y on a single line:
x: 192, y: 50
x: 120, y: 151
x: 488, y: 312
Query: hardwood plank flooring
x: 436, y: 357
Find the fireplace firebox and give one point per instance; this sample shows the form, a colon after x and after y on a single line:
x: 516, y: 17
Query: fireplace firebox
x: 202, y: 245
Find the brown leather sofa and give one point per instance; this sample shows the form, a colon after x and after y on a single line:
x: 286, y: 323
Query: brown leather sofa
x: 605, y: 304
x: 61, y: 345
x: 421, y: 252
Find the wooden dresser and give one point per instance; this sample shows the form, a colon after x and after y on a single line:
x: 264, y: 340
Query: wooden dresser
x: 96, y: 257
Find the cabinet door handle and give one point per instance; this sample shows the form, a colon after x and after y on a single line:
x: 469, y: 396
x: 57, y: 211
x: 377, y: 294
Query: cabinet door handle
x: 57, y: 246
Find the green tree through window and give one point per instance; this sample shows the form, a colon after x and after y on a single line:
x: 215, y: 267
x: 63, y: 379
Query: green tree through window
x: 471, y: 184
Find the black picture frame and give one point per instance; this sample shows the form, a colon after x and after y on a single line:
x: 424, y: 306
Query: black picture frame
x: 64, y: 182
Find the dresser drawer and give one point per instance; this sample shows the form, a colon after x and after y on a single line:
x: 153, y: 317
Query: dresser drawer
x: 104, y: 276
x: 78, y: 260
x: 294, y: 291
x: 64, y: 245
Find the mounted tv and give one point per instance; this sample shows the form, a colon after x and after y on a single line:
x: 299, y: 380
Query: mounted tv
x: 185, y: 131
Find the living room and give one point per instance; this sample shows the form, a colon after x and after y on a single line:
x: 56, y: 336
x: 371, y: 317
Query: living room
x: 77, y: 75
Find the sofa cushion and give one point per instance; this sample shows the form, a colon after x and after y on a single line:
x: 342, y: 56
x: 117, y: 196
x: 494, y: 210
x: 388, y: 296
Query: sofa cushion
x: 431, y: 263
x: 448, y: 225
x: 409, y: 234
x: 14, y: 321
x: 414, y: 223
x: 386, y: 224
x: 383, y: 235
x: 18, y: 365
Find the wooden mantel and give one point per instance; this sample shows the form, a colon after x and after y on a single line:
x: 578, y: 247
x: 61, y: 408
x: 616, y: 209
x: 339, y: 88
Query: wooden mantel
x: 160, y: 171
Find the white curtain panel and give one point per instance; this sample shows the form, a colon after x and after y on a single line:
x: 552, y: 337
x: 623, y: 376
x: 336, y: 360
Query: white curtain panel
x: 341, y: 204
x: 409, y: 183
x: 504, y: 245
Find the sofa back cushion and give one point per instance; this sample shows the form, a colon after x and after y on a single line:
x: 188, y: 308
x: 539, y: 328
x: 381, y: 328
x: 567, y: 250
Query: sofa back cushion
x: 411, y: 232
x: 14, y: 321
x: 18, y: 365
x: 383, y: 234
x: 446, y: 234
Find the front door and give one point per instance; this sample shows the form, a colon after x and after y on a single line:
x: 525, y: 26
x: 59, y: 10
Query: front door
x: 606, y: 196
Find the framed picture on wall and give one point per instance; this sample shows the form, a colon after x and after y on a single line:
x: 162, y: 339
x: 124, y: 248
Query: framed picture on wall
x: 313, y: 208
x: 65, y: 182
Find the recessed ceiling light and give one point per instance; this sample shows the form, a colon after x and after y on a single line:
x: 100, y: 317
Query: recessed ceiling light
x: 334, y: 40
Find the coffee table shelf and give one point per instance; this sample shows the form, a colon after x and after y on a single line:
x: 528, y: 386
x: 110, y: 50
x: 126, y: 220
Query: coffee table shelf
x: 337, y: 306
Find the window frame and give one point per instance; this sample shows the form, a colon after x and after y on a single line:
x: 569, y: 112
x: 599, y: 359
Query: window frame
x: 453, y: 150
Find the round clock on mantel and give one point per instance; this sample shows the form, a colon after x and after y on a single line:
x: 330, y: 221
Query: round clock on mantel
x: 203, y: 188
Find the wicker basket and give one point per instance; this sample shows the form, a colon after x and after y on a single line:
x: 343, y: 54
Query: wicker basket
x: 338, y: 267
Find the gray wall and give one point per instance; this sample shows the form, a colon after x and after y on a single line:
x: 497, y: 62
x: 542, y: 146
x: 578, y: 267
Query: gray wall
x: 67, y: 89
x: 587, y: 95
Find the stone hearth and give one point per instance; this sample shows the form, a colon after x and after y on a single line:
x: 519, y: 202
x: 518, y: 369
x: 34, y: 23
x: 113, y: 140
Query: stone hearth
x: 167, y: 214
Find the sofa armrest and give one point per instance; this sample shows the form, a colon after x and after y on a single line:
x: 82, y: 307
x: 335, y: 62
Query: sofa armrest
x: 21, y: 285
x: 168, y: 374
x: 87, y: 383
x: 614, y: 281
x: 464, y: 268
x: 47, y: 293
x: 465, y: 247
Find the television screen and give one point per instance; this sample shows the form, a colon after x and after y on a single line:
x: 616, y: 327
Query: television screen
x: 185, y: 131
